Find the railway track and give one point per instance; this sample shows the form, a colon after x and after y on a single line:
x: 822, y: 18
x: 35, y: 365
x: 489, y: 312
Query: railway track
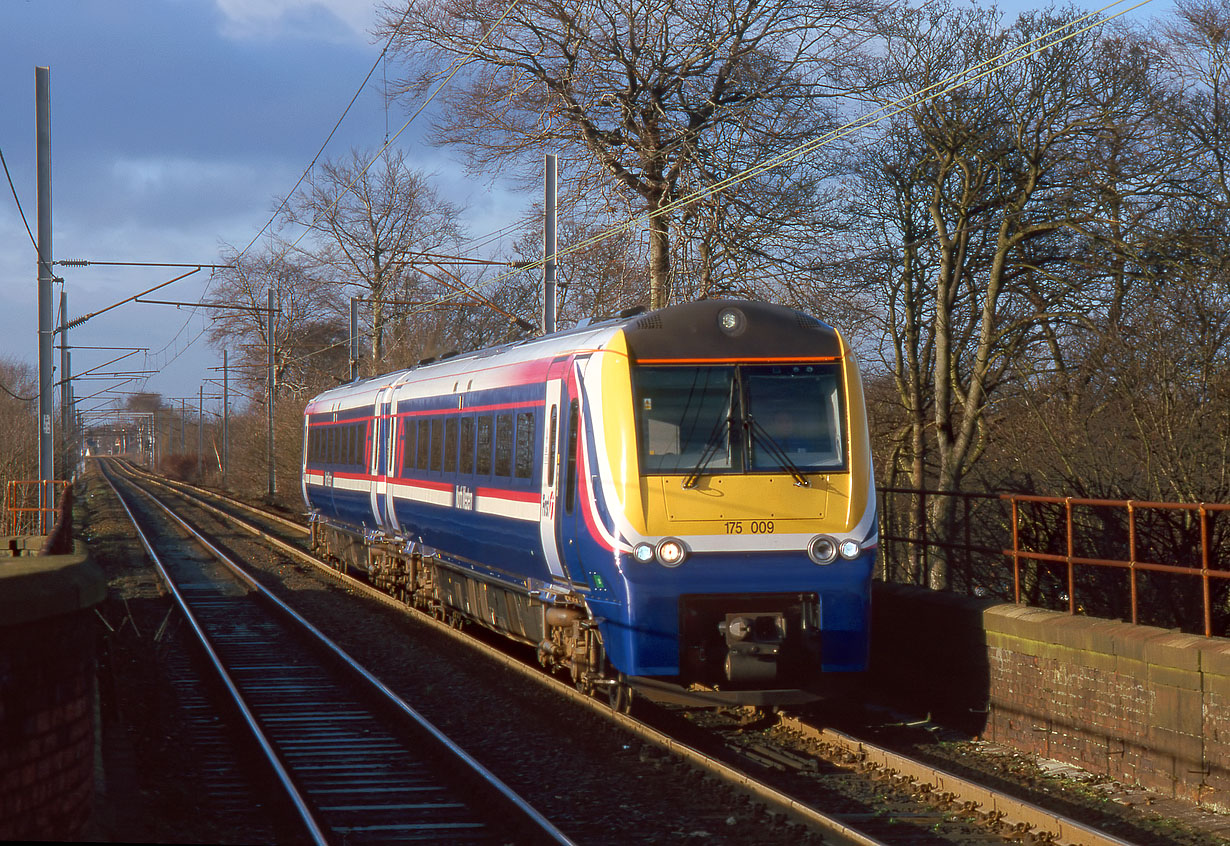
x: 925, y: 806
x: 356, y: 763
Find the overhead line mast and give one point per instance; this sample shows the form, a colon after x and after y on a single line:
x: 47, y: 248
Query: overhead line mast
x: 46, y: 327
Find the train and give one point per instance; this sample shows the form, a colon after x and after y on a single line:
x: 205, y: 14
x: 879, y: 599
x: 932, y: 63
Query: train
x: 679, y: 501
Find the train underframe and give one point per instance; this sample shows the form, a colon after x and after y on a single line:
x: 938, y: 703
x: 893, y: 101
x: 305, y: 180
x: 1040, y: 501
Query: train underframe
x: 562, y: 634
x: 565, y: 638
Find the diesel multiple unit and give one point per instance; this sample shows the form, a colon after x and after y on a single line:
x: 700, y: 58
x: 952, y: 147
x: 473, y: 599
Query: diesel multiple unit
x: 681, y: 499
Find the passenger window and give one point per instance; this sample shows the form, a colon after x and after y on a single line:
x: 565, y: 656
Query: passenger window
x: 408, y: 446
x: 503, y: 444
x: 450, y: 445
x: 524, y: 460
x: 424, y: 443
x: 467, y: 445
x: 550, y: 456
x: 484, y: 446
x: 437, y: 443
x: 570, y: 473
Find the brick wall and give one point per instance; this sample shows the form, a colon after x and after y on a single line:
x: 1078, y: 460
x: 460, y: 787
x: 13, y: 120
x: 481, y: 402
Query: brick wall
x: 1136, y: 703
x: 46, y: 728
x: 47, y: 688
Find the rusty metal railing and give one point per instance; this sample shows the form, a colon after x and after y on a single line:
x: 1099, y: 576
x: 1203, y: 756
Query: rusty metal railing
x: 30, y: 506
x: 1064, y: 553
x: 974, y: 538
x: 1207, y: 571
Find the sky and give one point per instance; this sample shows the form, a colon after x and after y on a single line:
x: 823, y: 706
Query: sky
x: 177, y: 127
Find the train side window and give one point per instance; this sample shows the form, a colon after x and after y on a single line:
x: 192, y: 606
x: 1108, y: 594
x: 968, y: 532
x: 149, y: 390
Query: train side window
x: 523, y: 461
x: 484, y: 446
x: 437, y: 443
x: 550, y: 456
x: 424, y: 443
x: 410, y: 433
x: 467, y: 445
x: 570, y: 472
x: 450, y: 445
x: 349, y: 445
x: 503, y: 444
x: 332, y: 448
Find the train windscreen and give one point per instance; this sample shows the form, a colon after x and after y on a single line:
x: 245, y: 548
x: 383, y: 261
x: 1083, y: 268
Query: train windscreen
x: 739, y: 419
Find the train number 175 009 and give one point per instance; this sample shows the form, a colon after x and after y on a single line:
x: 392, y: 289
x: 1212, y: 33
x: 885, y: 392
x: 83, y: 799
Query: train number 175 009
x: 752, y: 527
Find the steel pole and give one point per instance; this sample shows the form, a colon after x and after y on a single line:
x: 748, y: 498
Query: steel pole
x: 226, y: 419
x: 354, y: 339
x: 550, y: 245
x: 200, y: 432
x: 65, y: 408
x: 46, y: 328
x: 273, y: 485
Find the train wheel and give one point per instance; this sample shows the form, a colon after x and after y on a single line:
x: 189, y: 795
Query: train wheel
x: 619, y: 694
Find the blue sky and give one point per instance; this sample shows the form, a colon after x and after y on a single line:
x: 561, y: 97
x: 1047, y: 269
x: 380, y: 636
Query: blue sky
x: 177, y: 125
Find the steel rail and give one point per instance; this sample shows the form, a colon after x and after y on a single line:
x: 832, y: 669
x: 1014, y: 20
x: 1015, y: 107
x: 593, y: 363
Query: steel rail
x: 541, y: 823
x: 302, y: 808
x: 1012, y: 810
x: 769, y: 795
x: 175, y: 484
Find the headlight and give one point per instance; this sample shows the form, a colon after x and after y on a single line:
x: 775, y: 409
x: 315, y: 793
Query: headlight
x: 643, y: 553
x: 732, y: 321
x: 822, y: 549
x: 738, y: 628
x: 671, y: 552
x: 848, y: 549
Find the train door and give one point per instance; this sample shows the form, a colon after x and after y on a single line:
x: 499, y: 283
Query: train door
x: 569, y: 516
x: 552, y: 449
x: 383, y: 438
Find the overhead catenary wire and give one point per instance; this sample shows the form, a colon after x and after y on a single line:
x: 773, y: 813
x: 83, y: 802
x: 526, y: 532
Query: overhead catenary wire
x: 453, y: 70
x: 17, y: 200
x: 332, y: 132
x: 914, y: 98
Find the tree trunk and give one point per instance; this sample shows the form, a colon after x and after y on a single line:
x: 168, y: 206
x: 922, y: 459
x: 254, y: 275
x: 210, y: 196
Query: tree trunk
x: 659, y: 257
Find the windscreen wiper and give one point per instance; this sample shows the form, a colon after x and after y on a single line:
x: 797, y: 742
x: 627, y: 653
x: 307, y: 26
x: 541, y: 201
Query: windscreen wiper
x: 719, y: 432
x: 775, y: 450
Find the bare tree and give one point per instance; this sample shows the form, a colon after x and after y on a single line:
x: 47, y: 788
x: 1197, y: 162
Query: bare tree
x: 658, y: 99
x: 371, y: 222
x: 979, y: 205
x: 18, y: 421
x: 309, y: 332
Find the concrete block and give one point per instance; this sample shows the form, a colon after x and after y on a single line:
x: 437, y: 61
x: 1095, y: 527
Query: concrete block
x: 1018, y: 620
x: 1181, y: 651
x: 1132, y: 642
x: 1082, y: 633
x: 1217, y: 686
x: 39, y: 587
x: 1186, y: 751
x: 1215, y: 657
x: 1161, y: 675
x: 1177, y: 710
x: 1101, y: 662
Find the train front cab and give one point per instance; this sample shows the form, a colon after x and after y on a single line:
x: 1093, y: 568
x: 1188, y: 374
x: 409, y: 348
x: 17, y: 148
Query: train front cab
x: 752, y: 496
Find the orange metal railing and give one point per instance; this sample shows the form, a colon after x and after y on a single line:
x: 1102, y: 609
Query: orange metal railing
x: 1207, y: 570
x: 1063, y: 553
x: 30, y: 506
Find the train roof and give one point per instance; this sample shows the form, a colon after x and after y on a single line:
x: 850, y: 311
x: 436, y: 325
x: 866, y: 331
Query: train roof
x: 709, y: 329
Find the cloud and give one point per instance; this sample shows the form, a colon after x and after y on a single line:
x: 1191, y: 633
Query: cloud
x: 317, y: 19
